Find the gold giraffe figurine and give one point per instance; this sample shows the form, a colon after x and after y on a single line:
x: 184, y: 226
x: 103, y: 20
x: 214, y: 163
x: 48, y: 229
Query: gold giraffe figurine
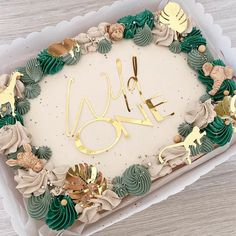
x: 7, y: 95
x: 195, y: 135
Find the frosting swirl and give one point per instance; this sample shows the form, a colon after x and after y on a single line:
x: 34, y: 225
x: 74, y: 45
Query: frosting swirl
x: 119, y: 187
x: 137, y: 180
x: 143, y: 37
x: 132, y: 23
x: 197, y: 59
x: 163, y: 35
x: 175, y: 47
x: 200, y: 114
x: 22, y: 105
x: 30, y: 182
x: 218, y: 132
x: 185, y: 129
x: 38, y: 206
x: 192, y: 41
x: 50, y: 64
x: 61, y: 213
x: 107, y: 201
x: 12, y: 137
x: 89, y: 41
x: 32, y: 91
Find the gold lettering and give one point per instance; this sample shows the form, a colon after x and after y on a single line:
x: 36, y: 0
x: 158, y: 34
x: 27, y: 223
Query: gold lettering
x: 115, y: 122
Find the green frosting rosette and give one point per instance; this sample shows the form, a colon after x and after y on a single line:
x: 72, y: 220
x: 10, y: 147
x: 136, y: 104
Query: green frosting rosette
x: 104, y: 46
x: 32, y: 72
x: 185, y: 129
x: 206, y: 147
x: 197, y: 59
x: 74, y: 57
x: 22, y: 105
x: 38, y: 206
x: 50, y: 64
x: 175, y: 47
x: 44, y: 152
x: 137, y: 180
x: 119, y: 187
x: 143, y: 36
x: 192, y: 41
x: 61, y: 213
x: 227, y: 84
x: 32, y: 91
x: 218, y: 132
x: 11, y: 120
x: 132, y: 23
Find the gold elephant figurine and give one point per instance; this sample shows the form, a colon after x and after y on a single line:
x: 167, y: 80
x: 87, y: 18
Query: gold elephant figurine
x: 218, y: 74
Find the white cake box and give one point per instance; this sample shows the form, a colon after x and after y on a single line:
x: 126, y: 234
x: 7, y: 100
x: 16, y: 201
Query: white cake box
x: 20, y: 50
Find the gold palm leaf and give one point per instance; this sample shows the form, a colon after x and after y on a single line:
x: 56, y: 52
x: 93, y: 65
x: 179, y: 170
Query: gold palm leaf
x: 174, y: 16
x: 84, y: 182
x: 222, y: 109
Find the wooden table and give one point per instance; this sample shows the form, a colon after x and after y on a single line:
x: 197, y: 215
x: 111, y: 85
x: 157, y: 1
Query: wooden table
x: 206, y: 208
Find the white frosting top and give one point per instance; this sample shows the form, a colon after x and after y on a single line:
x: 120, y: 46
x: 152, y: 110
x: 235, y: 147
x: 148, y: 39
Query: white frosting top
x: 159, y: 71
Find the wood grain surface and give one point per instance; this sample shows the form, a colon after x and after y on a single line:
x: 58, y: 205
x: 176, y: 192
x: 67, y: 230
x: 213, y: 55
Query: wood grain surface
x: 206, y: 208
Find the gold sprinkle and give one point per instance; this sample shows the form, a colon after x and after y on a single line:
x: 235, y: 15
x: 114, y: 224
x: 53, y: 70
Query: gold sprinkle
x: 64, y: 202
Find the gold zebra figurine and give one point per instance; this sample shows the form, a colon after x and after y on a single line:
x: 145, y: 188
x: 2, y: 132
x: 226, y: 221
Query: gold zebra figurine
x: 195, y: 135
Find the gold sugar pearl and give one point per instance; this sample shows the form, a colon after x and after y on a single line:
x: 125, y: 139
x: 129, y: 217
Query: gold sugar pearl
x: 202, y: 48
x: 63, y: 202
x: 226, y: 92
x: 177, y: 138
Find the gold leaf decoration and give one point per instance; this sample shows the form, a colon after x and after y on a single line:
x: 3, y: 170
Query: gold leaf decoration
x: 174, y: 16
x: 226, y: 109
x: 84, y: 182
x: 222, y: 109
